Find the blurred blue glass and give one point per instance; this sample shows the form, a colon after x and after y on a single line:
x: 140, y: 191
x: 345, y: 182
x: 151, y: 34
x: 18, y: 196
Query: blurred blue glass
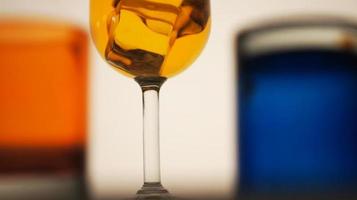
x: 298, y: 122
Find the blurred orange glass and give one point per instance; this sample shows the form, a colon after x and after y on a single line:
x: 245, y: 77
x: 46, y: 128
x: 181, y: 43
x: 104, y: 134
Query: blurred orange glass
x: 43, y: 90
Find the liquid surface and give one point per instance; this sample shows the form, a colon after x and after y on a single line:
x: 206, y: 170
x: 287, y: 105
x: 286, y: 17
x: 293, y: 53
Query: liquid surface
x: 150, y: 38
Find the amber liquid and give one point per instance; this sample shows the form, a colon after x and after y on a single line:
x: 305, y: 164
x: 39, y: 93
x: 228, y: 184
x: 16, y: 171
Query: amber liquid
x: 150, y: 38
x: 43, y: 68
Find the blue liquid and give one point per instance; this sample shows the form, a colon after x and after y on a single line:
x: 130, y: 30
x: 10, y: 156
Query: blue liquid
x: 298, y: 122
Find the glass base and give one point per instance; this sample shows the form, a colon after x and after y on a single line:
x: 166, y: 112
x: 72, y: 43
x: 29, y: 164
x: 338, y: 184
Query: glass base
x: 43, y: 187
x: 153, y: 191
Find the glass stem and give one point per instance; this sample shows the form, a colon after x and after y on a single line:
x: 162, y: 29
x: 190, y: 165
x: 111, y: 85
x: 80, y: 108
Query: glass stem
x: 152, y: 180
x: 151, y: 135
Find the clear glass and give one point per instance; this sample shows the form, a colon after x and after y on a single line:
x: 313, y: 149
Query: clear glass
x: 150, y: 41
x: 297, y: 95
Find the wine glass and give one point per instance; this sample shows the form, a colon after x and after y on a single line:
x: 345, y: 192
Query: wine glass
x: 150, y: 41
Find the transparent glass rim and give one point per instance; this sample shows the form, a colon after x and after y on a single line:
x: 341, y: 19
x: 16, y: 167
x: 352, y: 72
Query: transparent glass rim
x: 314, y: 32
x: 56, y: 10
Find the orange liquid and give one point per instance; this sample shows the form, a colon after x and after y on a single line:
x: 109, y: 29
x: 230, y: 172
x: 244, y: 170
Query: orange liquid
x: 150, y: 38
x: 43, y: 80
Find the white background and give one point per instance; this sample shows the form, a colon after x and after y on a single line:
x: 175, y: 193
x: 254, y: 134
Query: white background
x: 198, y: 137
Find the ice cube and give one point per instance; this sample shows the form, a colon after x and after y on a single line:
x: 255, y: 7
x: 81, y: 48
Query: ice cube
x: 132, y: 33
